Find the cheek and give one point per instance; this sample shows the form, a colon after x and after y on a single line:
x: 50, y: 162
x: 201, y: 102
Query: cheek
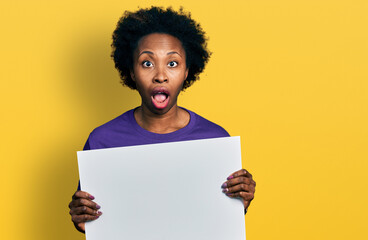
x: 179, y: 76
x: 139, y: 85
x: 179, y: 85
x: 142, y: 79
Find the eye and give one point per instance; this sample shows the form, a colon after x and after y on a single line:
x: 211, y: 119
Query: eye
x: 172, y: 64
x: 147, y: 64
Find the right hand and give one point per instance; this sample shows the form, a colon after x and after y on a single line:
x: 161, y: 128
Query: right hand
x: 83, y: 209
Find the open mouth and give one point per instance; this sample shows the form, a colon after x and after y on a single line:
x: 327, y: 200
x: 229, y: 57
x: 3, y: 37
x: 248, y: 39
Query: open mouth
x: 160, y: 98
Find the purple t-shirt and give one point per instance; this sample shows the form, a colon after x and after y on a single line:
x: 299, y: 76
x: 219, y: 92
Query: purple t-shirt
x: 125, y: 131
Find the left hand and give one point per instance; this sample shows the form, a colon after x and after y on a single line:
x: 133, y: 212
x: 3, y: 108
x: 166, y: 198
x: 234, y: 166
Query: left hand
x: 240, y: 184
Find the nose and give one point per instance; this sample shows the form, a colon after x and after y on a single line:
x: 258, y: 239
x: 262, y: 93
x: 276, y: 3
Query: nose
x: 160, y: 76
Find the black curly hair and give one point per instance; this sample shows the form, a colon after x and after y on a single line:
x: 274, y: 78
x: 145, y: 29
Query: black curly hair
x: 132, y: 26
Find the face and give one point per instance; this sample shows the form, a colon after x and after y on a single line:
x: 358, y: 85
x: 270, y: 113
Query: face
x: 159, y: 71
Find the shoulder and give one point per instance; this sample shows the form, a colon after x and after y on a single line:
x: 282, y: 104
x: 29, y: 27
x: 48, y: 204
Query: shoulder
x: 206, y: 127
x: 122, y: 121
x: 106, y: 134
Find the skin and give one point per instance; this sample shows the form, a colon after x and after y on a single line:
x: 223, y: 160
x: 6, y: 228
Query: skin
x: 159, y: 62
x: 240, y: 184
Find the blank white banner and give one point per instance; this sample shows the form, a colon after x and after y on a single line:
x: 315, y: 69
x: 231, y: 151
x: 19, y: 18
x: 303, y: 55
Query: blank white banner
x: 168, y: 191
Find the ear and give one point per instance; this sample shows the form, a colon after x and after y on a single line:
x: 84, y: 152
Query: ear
x: 132, y: 75
x: 186, y: 73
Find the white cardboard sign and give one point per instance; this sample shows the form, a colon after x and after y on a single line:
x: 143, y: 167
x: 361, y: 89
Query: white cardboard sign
x: 168, y: 191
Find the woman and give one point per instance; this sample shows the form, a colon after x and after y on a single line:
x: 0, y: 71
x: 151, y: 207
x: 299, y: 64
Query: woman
x: 158, y: 52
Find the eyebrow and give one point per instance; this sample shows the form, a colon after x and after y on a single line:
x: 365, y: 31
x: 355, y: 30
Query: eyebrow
x: 151, y: 53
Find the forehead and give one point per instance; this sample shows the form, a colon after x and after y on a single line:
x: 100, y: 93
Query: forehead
x: 160, y: 42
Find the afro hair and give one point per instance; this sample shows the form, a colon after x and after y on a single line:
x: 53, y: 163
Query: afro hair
x: 132, y: 26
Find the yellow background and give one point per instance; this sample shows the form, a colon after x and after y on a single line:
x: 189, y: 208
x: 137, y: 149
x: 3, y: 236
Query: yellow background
x: 289, y: 77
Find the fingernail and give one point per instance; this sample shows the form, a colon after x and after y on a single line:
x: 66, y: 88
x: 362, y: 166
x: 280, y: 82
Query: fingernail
x: 224, y: 185
x: 97, y: 217
x: 230, y: 177
x: 229, y: 194
x: 98, y: 206
x: 91, y: 197
x: 99, y: 213
x: 225, y: 190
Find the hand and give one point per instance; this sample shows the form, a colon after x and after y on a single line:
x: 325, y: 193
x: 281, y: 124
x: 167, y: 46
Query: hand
x: 83, y: 209
x: 240, y: 184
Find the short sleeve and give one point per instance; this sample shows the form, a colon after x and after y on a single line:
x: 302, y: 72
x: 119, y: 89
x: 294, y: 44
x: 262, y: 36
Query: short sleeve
x: 86, y: 146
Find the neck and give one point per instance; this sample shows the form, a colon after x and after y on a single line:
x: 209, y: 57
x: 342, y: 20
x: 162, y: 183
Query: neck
x: 173, y: 120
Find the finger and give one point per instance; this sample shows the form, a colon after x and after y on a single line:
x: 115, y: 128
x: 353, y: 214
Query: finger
x: 246, y: 196
x: 241, y: 172
x: 246, y: 204
x: 83, y: 218
x: 253, y: 183
x: 84, y: 210
x: 238, y: 188
x: 236, y: 181
x: 84, y: 202
x: 82, y: 194
x: 80, y: 227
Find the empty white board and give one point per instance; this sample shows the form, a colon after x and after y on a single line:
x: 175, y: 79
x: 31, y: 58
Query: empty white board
x: 168, y: 191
